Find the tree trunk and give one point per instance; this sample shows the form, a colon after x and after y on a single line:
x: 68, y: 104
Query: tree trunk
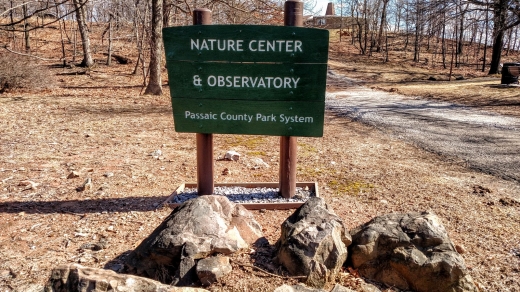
x: 26, y: 30
x: 155, y: 84
x: 109, y: 57
x: 83, y: 30
x: 499, y: 27
x: 498, y: 43
x: 381, y: 27
x: 485, y: 42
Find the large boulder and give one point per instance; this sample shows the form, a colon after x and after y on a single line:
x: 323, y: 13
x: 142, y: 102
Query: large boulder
x: 197, y: 229
x: 409, y: 251
x: 76, y: 278
x: 313, y: 242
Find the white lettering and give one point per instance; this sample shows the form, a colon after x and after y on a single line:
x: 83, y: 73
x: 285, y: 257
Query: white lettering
x: 221, y: 82
x: 200, y: 116
x: 296, y: 119
x: 236, y: 117
x: 212, y: 80
x: 248, y: 81
x: 231, y: 45
x: 221, y: 44
x: 253, y: 82
x: 298, y: 46
x: 271, y: 46
x: 295, y: 82
x: 269, y: 81
x: 194, y: 44
x: 251, y: 46
x: 287, y: 82
x: 211, y: 41
x: 261, y: 83
x: 264, y: 118
x: 261, y: 45
x: 245, y: 81
x: 204, y: 45
x: 288, y: 46
x: 277, y: 79
x: 280, y: 43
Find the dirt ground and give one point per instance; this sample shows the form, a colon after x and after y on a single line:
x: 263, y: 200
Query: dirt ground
x: 99, y: 126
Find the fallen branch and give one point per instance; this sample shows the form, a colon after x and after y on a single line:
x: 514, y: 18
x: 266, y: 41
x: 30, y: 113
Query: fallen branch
x: 266, y: 272
x: 28, y: 55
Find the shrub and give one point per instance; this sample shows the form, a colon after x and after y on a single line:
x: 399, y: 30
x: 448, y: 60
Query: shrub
x: 22, y: 72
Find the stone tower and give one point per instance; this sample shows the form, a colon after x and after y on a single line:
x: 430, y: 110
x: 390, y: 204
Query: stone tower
x: 330, y: 9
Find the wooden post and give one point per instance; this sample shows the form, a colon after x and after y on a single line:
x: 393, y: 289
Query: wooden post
x: 205, y: 184
x: 293, y: 16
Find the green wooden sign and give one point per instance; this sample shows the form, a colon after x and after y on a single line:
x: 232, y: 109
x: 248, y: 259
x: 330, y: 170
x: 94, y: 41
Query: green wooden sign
x: 247, y: 79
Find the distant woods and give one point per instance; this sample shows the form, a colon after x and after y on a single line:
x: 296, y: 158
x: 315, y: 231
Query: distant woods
x: 86, y: 27
x: 444, y: 29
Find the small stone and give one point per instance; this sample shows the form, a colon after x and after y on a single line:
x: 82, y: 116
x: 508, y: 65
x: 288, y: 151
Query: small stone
x: 259, y: 163
x: 339, y: 288
x: 29, y: 185
x: 108, y: 174
x: 82, y: 260
x: 156, y: 154
x: 4, y: 273
x: 460, y: 248
x: 367, y: 287
x: 232, y: 155
x: 209, y: 270
x: 110, y: 228
x: 87, y: 185
x: 73, y: 174
x: 384, y: 202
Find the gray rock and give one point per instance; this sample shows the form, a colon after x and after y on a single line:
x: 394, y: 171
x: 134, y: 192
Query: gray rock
x: 77, y: 278
x: 209, y: 270
x: 409, y: 251
x: 367, y: 287
x: 232, y: 155
x: 73, y: 174
x: 318, y: 274
x: 296, y: 288
x: 339, y: 288
x: 197, y: 229
x: 313, y: 239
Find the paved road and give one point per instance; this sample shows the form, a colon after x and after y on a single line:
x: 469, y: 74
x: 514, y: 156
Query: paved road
x: 487, y: 141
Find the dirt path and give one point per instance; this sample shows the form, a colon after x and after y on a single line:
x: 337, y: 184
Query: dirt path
x: 486, y: 141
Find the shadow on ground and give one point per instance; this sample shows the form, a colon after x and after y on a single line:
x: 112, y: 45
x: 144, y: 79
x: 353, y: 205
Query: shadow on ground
x: 139, y: 204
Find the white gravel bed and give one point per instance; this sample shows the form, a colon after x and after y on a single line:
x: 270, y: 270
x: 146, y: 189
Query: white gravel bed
x: 243, y: 195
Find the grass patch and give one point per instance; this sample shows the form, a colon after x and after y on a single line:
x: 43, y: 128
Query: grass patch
x: 336, y: 181
x: 257, y: 153
x: 349, y: 187
x: 305, y: 149
x: 249, y: 142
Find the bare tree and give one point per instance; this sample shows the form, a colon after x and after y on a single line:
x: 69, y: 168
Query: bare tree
x: 155, y: 84
x: 83, y: 30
